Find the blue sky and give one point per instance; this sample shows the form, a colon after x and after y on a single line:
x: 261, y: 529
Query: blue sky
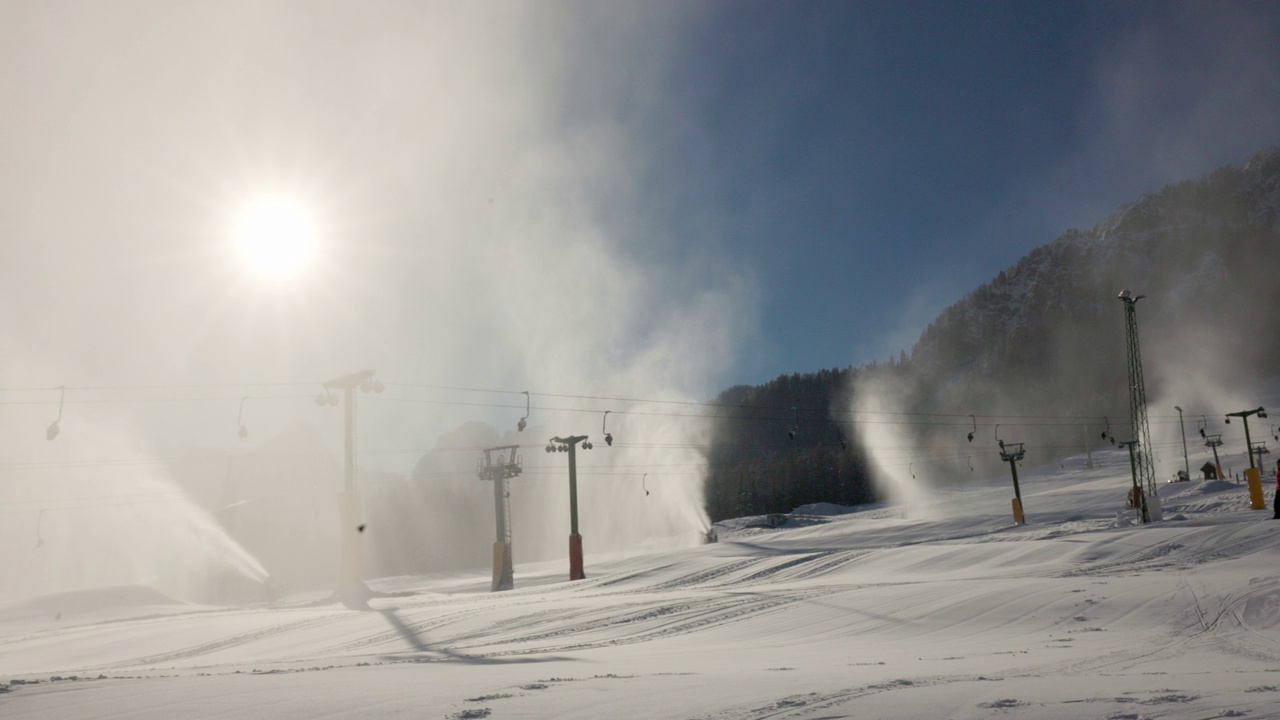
x: 620, y: 200
x: 872, y: 162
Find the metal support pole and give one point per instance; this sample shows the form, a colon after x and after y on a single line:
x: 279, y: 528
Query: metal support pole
x: 350, y: 567
x: 1012, y: 453
x: 349, y: 439
x: 1186, y: 463
x: 500, y: 507
x: 1137, y: 489
x: 1249, y: 442
x: 1214, y: 442
x: 570, y: 444
x: 1017, y: 491
x: 573, y: 489
x: 494, y: 466
x: 576, y: 571
x: 1139, y: 498
x: 350, y: 513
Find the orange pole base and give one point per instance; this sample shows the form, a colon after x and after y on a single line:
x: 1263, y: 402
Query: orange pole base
x: 575, y: 558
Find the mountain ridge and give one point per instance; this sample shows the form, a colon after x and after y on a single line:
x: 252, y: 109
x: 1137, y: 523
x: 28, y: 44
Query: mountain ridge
x: 1045, y: 337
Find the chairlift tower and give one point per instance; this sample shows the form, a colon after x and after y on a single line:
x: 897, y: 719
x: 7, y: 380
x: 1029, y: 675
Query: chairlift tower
x: 570, y: 445
x: 500, y: 464
x: 1186, y: 463
x: 1143, y: 466
x: 1248, y: 441
x: 1012, y: 453
x: 1215, y: 442
x: 1260, y: 449
x: 351, y: 587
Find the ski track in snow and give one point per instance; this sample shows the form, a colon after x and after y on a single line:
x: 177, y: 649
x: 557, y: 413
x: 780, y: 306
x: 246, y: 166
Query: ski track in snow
x: 1073, y: 594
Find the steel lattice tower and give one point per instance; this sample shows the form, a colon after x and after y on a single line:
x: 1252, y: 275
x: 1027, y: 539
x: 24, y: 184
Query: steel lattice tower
x: 1141, y: 429
x: 493, y: 466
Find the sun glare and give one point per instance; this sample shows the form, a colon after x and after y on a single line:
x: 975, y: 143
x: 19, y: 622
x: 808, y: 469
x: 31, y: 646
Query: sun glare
x: 276, y: 237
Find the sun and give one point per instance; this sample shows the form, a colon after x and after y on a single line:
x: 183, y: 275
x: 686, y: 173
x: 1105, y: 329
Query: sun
x: 276, y: 237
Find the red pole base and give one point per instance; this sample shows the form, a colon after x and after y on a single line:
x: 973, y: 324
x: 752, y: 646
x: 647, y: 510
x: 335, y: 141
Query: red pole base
x: 575, y: 558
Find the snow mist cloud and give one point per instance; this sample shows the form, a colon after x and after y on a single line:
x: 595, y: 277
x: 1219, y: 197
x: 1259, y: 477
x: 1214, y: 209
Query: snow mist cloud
x: 476, y: 188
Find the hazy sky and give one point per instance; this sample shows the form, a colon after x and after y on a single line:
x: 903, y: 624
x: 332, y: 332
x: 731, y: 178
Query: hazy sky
x: 615, y: 199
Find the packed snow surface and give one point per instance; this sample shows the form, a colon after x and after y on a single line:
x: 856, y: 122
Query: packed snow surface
x: 876, y: 612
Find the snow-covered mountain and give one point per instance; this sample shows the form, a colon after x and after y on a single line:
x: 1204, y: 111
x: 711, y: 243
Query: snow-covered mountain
x: 1038, y: 351
x: 1048, y: 332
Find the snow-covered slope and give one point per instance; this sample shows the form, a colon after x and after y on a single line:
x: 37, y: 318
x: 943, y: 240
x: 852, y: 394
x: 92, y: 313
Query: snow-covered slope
x: 948, y: 611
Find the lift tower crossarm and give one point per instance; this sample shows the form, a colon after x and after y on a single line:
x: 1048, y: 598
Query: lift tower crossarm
x: 1244, y: 417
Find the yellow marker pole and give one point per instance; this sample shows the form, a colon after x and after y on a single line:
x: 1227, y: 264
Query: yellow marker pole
x: 1256, y: 500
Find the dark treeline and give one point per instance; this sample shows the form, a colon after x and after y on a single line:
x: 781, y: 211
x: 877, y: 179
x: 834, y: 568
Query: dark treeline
x: 768, y: 457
